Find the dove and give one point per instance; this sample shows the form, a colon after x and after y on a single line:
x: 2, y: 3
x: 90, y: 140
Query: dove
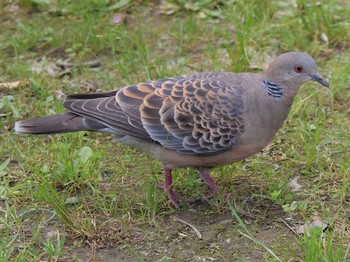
x: 200, y: 120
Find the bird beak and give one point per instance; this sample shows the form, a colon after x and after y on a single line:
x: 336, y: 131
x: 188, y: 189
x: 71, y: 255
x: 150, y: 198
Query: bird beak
x: 319, y: 79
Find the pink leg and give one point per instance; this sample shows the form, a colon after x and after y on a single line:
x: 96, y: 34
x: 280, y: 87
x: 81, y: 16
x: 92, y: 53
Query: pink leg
x: 167, y: 186
x: 173, y: 197
x: 204, y: 174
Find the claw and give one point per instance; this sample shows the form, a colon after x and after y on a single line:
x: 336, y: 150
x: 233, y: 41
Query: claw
x: 174, y: 197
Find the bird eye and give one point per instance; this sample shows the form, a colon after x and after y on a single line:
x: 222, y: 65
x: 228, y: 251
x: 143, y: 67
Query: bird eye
x: 298, y: 68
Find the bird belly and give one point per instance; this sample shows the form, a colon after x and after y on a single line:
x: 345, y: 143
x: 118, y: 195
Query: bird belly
x: 171, y: 158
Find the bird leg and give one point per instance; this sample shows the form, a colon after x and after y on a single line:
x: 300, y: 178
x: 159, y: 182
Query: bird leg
x: 167, y: 186
x: 173, y: 197
x: 204, y: 174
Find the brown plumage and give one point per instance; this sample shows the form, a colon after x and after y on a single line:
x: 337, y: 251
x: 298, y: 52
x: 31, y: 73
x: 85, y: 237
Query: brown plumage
x: 201, y: 120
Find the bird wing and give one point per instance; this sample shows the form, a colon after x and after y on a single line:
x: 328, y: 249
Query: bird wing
x: 102, y: 108
x: 194, y: 114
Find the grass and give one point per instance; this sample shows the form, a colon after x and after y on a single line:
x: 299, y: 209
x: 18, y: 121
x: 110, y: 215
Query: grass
x: 75, y: 196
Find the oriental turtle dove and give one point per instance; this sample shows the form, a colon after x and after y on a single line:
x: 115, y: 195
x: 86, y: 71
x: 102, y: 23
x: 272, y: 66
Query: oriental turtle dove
x: 200, y: 120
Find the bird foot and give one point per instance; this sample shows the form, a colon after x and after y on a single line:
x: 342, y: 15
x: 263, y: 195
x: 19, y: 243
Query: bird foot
x: 209, y: 196
x: 173, y: 196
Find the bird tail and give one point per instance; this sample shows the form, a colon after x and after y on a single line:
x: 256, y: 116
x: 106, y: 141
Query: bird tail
x: 62, y: 123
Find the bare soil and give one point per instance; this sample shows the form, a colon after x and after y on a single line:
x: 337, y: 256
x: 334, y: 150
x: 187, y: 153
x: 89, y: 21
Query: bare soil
x: 221, y: 238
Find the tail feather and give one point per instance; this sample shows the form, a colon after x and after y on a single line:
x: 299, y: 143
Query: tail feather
x: 62, y: 123
x: 92, y: 95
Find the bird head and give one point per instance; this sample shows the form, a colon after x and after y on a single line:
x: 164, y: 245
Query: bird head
x: 294, y: 69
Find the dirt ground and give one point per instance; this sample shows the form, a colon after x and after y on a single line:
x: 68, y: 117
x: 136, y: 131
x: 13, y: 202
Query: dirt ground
x: 196, y: 235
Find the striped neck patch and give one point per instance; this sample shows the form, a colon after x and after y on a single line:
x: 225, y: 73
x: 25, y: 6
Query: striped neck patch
x: 272, y: 89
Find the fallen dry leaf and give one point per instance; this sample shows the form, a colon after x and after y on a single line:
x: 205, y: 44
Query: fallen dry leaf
x: 59, y: 94
x: 316, y: 222
x: 13, y: 85
x: 168, y: 8
x: 293, y: 183
x: 324, y: 37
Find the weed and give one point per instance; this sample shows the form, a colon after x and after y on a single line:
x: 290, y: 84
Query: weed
x: 319, y: 246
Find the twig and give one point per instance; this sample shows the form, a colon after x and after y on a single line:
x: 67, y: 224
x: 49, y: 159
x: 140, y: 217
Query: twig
x: 247, y: 214
x: 292, y: 229
x: 199, y: 235
x: 256, y: 241
x: 93, y: 246
x: 65, y: 64
x: 65, y: 72
x: 52, y: 50
x: 30, y: 210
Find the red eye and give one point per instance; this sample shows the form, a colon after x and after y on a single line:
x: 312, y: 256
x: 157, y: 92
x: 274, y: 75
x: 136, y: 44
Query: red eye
x: 298, y: 68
